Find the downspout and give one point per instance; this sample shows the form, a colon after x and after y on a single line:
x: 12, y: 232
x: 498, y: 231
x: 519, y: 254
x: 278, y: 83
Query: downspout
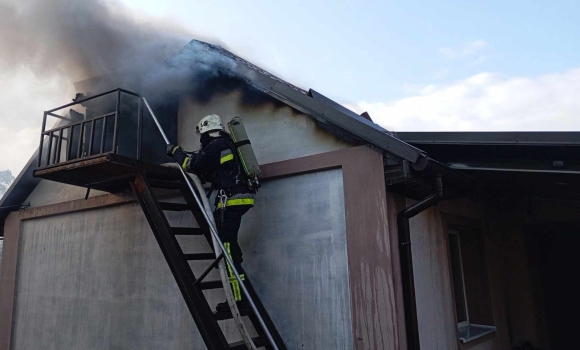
x: 406, y: 258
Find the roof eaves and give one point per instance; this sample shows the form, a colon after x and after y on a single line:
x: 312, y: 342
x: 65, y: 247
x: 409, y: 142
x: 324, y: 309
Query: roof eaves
x: 320, y: 97
x: 540, y: 138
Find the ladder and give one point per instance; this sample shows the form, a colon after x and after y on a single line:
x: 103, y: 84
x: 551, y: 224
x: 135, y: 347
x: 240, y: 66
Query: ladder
x: 192, y: 287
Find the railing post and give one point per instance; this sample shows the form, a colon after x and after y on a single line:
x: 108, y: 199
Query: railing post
x: 49, y: 151
x: 91, y: 137
x: 69, y: 143
x: 118, y: 111
x: 139, y: 128
x: 80, y: 145
x: 103, y: 135
x: 41, y: 140
x: 58, y: 147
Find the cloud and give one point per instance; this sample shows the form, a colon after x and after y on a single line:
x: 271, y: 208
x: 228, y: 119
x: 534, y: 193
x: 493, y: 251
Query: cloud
x: 485, y: 102
x: 466, y: 50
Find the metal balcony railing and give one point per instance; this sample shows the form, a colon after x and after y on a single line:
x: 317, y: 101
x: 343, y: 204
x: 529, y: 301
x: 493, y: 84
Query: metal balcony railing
x: 79, y: 137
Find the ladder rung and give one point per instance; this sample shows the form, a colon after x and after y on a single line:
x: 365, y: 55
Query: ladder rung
x: 200, y: 256
x: 258, y: 341
x: 166, y: 184
x: 174, y: 206
x: 188, y: 231
x: 226, y: 315
x: 211, y: 285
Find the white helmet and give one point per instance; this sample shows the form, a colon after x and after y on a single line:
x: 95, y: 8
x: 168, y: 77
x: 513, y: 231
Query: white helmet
x: 210, y: 122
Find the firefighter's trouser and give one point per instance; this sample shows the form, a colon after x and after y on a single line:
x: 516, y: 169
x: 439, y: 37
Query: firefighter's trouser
x: 228, y: 226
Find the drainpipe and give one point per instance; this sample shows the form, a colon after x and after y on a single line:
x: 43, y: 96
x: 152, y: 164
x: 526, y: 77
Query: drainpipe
x: 406, y: 259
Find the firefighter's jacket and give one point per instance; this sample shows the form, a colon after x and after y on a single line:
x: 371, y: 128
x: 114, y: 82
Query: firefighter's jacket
x: 217, y: 163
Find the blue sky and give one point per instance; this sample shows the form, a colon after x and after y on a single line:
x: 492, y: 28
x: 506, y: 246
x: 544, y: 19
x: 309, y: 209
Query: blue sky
x: 373, y: 50
x: 414, y: 66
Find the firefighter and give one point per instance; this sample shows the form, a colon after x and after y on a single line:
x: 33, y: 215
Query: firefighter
x: 218, y: 163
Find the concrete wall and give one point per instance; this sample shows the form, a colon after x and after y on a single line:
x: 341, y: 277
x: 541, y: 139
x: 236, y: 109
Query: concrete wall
x: 49, y: 192
x: 276, y: 133
x: 97, y: 279
x: 1, y: 247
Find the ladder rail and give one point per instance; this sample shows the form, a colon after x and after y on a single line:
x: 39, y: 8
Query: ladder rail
x: 215, y: 235
x: 247, y: 339
x: 209, y: 329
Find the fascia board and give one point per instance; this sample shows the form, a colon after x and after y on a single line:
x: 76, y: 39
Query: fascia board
x: 320, y: 97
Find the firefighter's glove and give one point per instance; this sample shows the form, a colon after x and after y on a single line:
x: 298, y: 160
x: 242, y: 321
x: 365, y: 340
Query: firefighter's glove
x: 171, y: 149
x: 177, y: 153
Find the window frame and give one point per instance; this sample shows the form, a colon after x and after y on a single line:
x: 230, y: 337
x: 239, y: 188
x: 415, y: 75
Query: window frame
x: 465, y: 323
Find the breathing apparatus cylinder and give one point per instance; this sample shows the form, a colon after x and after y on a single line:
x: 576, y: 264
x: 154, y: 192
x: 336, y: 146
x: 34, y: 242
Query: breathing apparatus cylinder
x: 245, y: 151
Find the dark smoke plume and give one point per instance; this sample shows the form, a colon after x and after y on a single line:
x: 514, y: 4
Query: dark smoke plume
x: 82, y: 39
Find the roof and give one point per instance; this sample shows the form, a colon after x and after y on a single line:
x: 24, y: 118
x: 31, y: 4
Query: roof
x: 314, y: 104
x: 542, y: 138
x: 529, y: 163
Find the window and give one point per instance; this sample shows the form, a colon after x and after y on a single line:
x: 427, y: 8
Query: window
x: 471, y: 294
x: 458, y: 279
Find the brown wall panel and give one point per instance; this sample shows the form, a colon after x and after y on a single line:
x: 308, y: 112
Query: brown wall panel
x: 374, y: 312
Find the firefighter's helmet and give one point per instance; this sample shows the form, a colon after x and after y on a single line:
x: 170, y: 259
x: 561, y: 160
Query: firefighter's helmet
x: 210, y: 122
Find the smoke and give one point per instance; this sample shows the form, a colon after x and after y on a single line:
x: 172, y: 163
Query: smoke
x: 88, y: 38
x: 82, y: 38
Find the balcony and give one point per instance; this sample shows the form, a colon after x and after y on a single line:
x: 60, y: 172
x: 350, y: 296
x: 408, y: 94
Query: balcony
x: 96, y: 142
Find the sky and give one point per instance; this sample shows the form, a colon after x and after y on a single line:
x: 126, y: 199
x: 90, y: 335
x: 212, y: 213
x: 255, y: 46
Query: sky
x: 414, y: 66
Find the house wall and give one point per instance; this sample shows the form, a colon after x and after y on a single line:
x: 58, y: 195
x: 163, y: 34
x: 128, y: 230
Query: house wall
x: 277, y: 132
x: 97, y: 279
x: 98, y: 256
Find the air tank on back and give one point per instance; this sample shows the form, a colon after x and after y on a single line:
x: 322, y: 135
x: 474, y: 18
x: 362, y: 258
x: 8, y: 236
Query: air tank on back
x: 245, y: 151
